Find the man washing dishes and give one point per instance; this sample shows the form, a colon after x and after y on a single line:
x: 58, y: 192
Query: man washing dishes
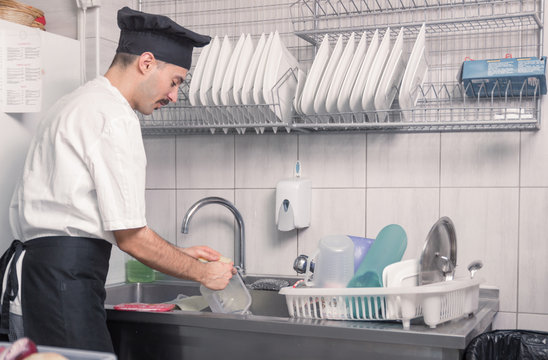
x: 83, y: 190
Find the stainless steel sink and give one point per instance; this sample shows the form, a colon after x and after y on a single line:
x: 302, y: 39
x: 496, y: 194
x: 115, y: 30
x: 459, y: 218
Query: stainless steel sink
x: 263, y: 302
x: 270, y: 334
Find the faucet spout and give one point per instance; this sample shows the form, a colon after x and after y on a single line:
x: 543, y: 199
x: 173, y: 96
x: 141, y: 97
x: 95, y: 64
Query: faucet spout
x: 239, y: 246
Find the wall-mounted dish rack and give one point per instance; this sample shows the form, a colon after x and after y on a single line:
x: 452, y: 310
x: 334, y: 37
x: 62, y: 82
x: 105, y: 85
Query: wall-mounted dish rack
x: 455, y: 31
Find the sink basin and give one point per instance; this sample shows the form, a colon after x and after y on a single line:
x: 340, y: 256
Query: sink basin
x: 269, y: 333
x: 263, y: 302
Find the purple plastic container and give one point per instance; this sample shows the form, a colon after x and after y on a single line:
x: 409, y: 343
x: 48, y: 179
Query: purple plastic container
x: 361, y: 247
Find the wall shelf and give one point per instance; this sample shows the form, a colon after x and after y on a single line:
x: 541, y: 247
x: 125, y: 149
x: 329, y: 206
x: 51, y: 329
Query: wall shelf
x: 455, y: 31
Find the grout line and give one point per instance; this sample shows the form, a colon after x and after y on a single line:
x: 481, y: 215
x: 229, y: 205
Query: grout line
x: 518, y: 223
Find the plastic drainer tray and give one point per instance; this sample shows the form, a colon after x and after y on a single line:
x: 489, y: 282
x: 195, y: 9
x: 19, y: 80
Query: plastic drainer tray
x: 436, y: 303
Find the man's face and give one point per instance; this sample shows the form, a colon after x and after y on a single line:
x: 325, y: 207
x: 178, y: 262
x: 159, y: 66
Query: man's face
x: 160, y: 87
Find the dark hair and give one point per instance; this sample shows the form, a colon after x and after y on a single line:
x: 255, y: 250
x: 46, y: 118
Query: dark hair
x: 123, y: 59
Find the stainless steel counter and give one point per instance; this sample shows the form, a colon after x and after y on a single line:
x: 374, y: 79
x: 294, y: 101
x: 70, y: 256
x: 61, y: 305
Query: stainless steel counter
x: 208, y: 335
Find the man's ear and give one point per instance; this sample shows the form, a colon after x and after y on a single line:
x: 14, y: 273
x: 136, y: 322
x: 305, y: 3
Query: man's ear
x: 146, y: 62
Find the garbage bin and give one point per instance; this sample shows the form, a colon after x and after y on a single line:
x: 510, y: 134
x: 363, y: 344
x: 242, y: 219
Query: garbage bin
x: 508, y: 345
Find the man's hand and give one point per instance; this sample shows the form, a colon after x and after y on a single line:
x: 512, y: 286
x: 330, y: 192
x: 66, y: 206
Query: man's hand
x: 202, y: 252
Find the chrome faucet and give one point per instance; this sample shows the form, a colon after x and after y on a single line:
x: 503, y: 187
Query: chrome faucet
x: 239, y: 257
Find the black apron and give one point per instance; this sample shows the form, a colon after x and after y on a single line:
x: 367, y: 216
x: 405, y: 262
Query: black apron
x: 63, y: 292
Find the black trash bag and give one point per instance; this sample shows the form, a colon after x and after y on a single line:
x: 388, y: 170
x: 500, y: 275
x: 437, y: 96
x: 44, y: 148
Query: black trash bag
x: 508, y: 345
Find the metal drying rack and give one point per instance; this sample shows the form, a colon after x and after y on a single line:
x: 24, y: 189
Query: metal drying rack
x: 455, y: 30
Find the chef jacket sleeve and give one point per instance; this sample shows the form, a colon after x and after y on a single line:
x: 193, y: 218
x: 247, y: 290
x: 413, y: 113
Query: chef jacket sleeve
x: 117, y: 165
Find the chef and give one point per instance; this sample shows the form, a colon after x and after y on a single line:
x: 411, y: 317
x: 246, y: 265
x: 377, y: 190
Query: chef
x: 83, y: 190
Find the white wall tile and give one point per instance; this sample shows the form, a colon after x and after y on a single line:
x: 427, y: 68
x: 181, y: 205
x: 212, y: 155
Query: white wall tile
x: 160, y: 212
x: 534, y: 158
x: 263, y: 160
x: 212, y: 225
x: 505, y: 320
x: 160, y: 151
x: 480, y: 159
x: 117, y: 266
x: 399, y: 206
x: 403, y: 160
x: 333, y: 160
x: 334, y: 211
x: 486, y: 224
x: 533, y: 250
x: 533, y: 322
x: 268, y: 251
x: 205, y: 161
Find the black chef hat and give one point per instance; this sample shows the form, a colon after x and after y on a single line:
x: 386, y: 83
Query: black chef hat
x: 167, y: 40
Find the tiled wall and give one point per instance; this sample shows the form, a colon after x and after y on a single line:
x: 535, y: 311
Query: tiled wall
x: 493, y: 185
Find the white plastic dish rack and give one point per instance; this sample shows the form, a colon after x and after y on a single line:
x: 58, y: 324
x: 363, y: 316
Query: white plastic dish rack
x: 436, y: 303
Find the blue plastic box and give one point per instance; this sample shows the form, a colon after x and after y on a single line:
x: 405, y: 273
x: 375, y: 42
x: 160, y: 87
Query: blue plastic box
x: 504, y: 77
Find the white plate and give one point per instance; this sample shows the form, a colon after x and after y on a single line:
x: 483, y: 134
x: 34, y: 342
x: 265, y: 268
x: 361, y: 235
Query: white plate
x: 377, y: 68
x: 339, y: 76
x: 415, y: 73
x: 220, y: 70
x: 343, y: 102
x: 356, y: 95
x: 391, y: 79
x: 242, y: 69
x: 280, y: 81
x: 197, y: 74
x: 247, y: 87
x: 259, y: 76
x: 301, y: 79
x: 321, y: 94
x: 227, y: 95
x: 209, y: 72
x: 314, y: 77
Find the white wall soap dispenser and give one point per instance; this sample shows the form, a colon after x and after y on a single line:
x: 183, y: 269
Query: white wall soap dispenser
x: 293, y: 202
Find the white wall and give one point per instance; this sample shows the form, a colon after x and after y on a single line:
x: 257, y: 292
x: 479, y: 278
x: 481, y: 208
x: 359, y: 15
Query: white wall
x: 493, y: 185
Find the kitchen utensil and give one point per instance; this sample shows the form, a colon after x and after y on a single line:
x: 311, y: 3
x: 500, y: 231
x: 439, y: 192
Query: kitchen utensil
x: 402, y: 273
x: 389, y: 247
x: 474, y: 266
x: 234, y: 299
x: 361, y: 247
x: 334, y: 261
x: 439, y: 255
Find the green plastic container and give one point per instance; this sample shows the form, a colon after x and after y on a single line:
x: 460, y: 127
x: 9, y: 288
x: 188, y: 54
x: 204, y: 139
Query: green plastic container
x: 138, y: 272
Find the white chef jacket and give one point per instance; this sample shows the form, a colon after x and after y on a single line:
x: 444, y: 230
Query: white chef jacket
x: 84, y: 174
